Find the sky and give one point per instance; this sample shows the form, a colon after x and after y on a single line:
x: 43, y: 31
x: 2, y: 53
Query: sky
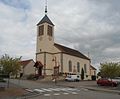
x: 89, y: 26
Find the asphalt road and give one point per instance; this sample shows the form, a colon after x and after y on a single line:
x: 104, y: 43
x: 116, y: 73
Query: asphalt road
x: 74, y: 94
x: 49, y: 92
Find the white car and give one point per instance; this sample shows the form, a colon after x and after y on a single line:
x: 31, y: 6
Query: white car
x: 72, y: 78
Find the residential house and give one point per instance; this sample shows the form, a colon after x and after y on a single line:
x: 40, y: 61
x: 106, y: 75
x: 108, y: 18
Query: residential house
x: 93, y: 72
x: 27, y: 67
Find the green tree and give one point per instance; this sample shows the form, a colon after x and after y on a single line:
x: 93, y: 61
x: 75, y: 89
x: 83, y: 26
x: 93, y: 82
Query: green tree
x: 0, y: 69
x: 9, y: 64
x: 82, y: 74
x: 109, y: 70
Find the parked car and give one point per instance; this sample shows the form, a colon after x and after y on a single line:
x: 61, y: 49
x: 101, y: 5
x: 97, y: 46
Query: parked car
x: 72, y: 78
x: 117, y: 79
x: 107, y: 82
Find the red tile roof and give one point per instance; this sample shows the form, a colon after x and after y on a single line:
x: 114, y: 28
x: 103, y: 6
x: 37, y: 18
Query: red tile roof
x: 25, y: 62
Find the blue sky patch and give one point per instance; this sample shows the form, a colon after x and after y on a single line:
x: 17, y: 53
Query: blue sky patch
x: 20, y: 4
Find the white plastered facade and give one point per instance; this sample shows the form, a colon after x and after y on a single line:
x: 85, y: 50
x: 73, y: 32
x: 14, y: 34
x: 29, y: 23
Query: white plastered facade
x: 46, y: 53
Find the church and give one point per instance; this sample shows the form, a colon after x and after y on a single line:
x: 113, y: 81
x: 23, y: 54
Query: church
x: 55, y: 58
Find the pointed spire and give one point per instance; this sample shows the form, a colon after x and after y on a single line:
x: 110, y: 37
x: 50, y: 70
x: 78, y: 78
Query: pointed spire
x: 45, y: 18
x: 45, y: 7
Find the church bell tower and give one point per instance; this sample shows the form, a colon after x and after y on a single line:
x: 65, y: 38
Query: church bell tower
x: 45, y: 44
x: 45, y: 34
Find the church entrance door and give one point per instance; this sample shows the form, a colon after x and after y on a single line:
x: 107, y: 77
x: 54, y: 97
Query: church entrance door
x: 39, y: 68
x: 40, y: 71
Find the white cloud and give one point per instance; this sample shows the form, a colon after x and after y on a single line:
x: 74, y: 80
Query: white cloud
x: 87, y: 25
x: 15, y: 32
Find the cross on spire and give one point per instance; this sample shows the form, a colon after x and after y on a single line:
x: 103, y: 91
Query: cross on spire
x: 45, y: 6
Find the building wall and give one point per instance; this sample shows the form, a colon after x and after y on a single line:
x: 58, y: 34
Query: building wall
x: 74, y: 60
x: 40, y: 57
x: 48, y: 60
x: 47, y: 52
x: 92, y: 72
x: 29, y: 68
x: 45, y: 42
x: 49, y: 63
x: 62, y: 61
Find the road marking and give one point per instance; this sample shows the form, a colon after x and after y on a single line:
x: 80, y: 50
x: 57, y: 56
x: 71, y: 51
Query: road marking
x: 46, y: 94
x: 77, y: 90
x: 38, y: 90
x: 56, y: 94
x: 65, y: 93
x: 72, y: 89
x: 46, y: 89
x: 55, y: 89
x: 64, y: 90
x: 85, y: 89
x: 29, y: 90
x: 74, y: 93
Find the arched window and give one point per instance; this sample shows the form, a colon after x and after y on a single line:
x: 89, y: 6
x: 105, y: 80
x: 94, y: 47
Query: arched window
x: 85, y: 68
x: 78, y: 67
x: 70, y: 66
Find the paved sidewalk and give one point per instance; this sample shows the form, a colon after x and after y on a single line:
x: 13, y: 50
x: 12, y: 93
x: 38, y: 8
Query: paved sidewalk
x: 30, y: 84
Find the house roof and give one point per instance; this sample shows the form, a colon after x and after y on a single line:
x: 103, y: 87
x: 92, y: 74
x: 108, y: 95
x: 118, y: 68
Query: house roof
x: 93, y: 67
x: 70, y: 51
x: 45, y: 19
x: 25, y: 62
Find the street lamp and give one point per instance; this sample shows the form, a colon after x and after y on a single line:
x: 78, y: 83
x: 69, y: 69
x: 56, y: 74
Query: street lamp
x: 54, y: 59
x: 56, y: 70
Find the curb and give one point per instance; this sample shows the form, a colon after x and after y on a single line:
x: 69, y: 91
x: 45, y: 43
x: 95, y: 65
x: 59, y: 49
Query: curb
x: 94, y: 89
x: 103, y: 90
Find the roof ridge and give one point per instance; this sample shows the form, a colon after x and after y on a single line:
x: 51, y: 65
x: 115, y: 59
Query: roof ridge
x: 27, y: 60
x: 71, y: 51
x: 66, y: 47
x: 93, y: 67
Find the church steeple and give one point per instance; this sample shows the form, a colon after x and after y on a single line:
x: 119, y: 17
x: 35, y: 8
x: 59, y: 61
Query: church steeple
x: 45, y: 34
x: 45, y: 7
x: 45, y: 18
